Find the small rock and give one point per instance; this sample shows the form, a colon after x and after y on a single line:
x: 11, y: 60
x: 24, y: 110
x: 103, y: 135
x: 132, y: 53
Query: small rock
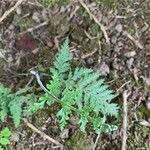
x: 64, y: 134
x: 11, y: 27
x: 18, y: 11
x: 45, y: 14
x: 120, y: 44
x: 113, y: 39
x: 135, y: 74
x: 50, y: 44
x: 118, y: 27
x: 148, y: 105
x: 90, y: 61
x: 15, y: 137
x: 36, y: 17
x: 130, y: 54
x: 130, y: 62
x: 104, y: 69
x: 146, y: 80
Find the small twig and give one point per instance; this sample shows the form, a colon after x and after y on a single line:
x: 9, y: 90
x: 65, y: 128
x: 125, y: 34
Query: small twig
x: 99, y: 50
x: 123, y: 85
x: 125, y: 119
x: 11, y: 10
x: 36, y: 3
x: 96, y: 21
x: 89, y: 36
x: 98, y: 136
x: 118, y: 90
x: 35, y: 27
x: 136, y: 42
x: 45, y: 136
x: 89, y: 54
x: 73, y: 12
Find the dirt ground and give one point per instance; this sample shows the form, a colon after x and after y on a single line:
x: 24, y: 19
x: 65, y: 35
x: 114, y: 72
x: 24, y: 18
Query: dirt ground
x: 29, y: 38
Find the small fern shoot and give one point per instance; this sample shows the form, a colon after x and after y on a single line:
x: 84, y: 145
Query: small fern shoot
x: 4, y: 137
x: 79, y: 90
x: 11, y: 103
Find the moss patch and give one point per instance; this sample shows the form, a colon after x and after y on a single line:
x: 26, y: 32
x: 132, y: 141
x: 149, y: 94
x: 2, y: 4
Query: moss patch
x: 80, y: 141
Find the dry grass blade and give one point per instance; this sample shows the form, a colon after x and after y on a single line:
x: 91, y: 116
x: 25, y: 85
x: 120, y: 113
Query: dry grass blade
x: 11, y: 10
x: 136, y: 42
x: 96, y: 21
x: 95, y: 144
x: 45, y: 136
x: 125, y: 119
x: 35, y: 27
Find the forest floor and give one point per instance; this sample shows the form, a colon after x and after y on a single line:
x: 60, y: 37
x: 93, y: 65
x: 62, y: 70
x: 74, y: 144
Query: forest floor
x: 111, y: 37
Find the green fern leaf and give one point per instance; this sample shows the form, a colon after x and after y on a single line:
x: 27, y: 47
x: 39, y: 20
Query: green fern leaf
x: 84, y: 117
x: 16, y: 110
x: 4, y: 101
x: 55, y: 84
x: 61, y: 63
x: 12, y: 103
x: 36, y: 106
x: 64, y: 115
x: 22, y: 91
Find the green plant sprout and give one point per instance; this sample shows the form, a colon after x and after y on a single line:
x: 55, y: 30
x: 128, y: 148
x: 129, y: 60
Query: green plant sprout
x: 51, y: 3
x: 78, y: 91
x: 11, y: 103
x: 4, y: 137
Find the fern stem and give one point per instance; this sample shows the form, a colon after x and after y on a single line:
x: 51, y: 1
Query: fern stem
x: 45, y: 90
x: 36, y: 74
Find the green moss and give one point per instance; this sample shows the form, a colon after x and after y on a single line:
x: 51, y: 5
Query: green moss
x: 137, y: 137
x: 25, y: 23
x: 142, y: 86
x: 111, y: 4
x: 80, y: 141
x: 2, y: 62
x: 52, y: 3
x: 143, y: 112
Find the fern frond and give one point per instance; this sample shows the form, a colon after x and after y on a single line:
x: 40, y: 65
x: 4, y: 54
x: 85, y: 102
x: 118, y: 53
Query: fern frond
x: 4, y: 101
x: 55, y: 84
x: 36, y: 106
x: 81, y: 90
x: 11, y: 103
x: 61, y: 63
x: 64, y: 115
x: 16, y: 110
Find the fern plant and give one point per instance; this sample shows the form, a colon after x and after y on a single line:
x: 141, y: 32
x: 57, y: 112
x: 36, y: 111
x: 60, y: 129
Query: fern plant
x: 4, y: 137
x: 81, y: 91
x: 11, y: 103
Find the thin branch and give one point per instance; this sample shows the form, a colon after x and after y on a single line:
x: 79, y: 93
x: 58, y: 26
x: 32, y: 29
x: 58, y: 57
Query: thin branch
x: 45, y: 136
x: 8, y: 12
x: 125, y: 119
x: 89, y: 54
x: 136, y: 42
x: 123, y: 85
x: 98, y: 136
x: 96, y: 20
x: 89, y: 36
x: 35, y: 27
